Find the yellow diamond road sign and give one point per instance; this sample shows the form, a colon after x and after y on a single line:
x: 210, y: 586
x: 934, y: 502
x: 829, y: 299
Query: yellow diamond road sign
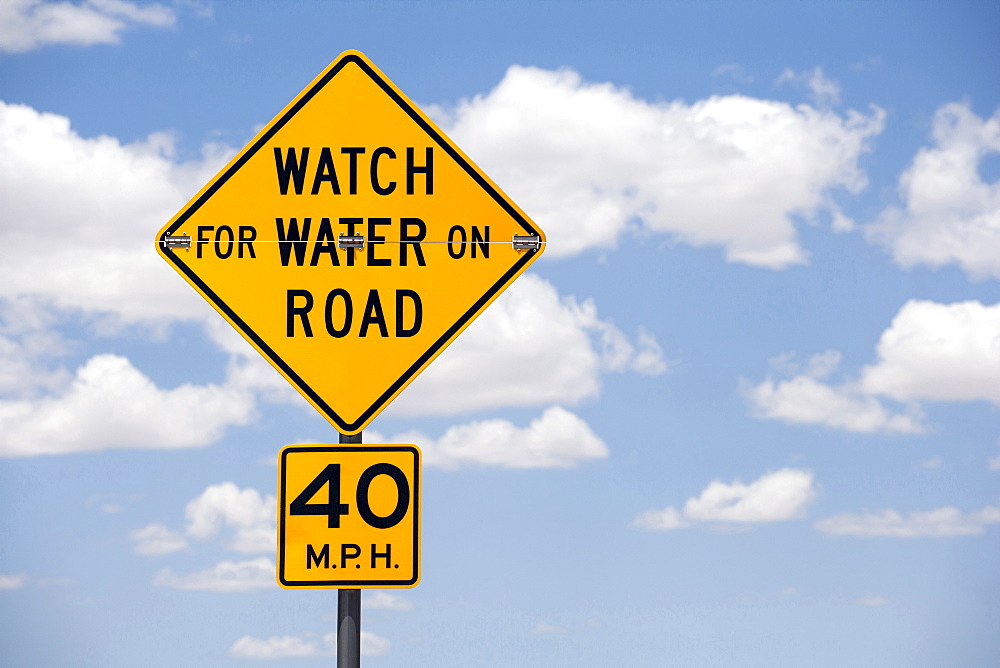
x: 350, y: 242
x: 348, y: 516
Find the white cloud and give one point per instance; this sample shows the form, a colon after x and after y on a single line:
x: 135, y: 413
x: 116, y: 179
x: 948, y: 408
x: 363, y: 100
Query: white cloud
x: 733, y: 71
x: 939, y: 352
x: 774, y: 497
x: 530, y: 347
x: 156, y: 539
x: 376, y: 599
x: 111, y: 404
x: 930, y: 352
x: 871, y: 601
x: 86, y: 210
x: 994, y: 463
x: 275, y: 647
x: 823, y: 91
x: 588, y: 161
x: 31, y: 24
x: 823, y: 364
x: 225, y: 577
x: 251, y: 518
x: 22, y: 374
x: 247, y: 369
x: 18, y: 372
x: 949, y: 214
x: 243, y: 518
x: 250, y: 514
x: 937, y: 523
x: 374, y: 645
x: 107, y: 403
x: 660, y: 519
x: 805, y: 400
x: 13, y: 581
x: 303, y: 645
x: 556, y: 439
x: 648, y: 359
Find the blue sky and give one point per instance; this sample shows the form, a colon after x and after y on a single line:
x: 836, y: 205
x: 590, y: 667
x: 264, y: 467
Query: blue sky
x: 743, y: 411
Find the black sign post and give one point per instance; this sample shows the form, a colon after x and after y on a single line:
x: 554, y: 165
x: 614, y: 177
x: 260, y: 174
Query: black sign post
x: 349, y: 609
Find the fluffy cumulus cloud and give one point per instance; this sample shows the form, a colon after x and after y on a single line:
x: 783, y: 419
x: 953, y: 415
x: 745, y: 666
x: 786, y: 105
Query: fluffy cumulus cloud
x: 530, y: 347
x: 248, y: 513
x: 242, y: 520
x: 244, y: 516
x: 939, y: 352
x: 304, y: 645
x: 30, y: 24
x: 557, y: 439
x: 86, y: 209
x: 111, y: 404
x: 590, y: 160
x: 774, y: 497
x: 156, y: 539
x: 938, y: 523
x: 823, y: 91
x: 276, y: 647
x: 949, y: 214
x: 807, y: 398
x: 930, y: 352
x: 28, y: 335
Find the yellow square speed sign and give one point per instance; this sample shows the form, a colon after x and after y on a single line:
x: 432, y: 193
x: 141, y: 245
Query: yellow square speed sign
x: 349, y: 516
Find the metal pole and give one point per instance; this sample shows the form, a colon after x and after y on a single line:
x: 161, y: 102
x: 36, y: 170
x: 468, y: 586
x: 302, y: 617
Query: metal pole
x: 349, y: 610
x: 348, y: 628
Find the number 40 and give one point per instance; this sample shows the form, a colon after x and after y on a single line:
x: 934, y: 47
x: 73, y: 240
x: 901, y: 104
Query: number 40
x: 333, y: 508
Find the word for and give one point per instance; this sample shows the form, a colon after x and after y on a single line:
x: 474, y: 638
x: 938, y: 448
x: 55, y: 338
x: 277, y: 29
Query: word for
x: 224, y: 240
